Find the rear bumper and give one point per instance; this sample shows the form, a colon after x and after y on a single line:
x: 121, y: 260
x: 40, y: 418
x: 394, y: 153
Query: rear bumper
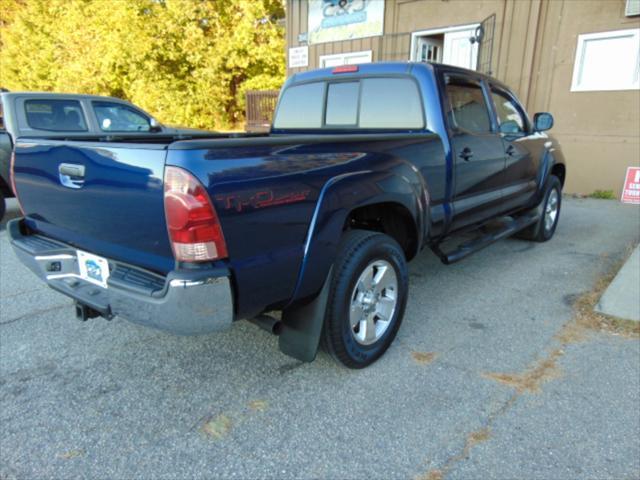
x: 185, y: 302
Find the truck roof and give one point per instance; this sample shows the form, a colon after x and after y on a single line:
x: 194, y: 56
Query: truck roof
x: 388, y: 68
x: 61, y: 96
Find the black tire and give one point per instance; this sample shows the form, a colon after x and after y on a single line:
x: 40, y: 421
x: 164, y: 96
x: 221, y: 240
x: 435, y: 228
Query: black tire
x: 3, y: 205
x: 360, y: 250
x: 541, y: 231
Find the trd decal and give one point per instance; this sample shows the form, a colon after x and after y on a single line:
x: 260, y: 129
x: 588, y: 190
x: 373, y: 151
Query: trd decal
x: 261, y: 199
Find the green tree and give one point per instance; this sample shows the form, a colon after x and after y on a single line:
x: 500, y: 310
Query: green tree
x: 189, y: 62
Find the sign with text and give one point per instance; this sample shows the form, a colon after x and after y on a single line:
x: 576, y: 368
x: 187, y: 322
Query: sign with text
x: 631, y: 189
x: 336, y: 20
x: 299, y: 57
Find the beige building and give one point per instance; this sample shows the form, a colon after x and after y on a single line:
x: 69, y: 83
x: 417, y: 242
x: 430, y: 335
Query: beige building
x: 578, y: 59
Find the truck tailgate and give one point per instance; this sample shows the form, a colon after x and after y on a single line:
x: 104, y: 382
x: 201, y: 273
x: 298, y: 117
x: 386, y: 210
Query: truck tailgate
x: 105, y: 198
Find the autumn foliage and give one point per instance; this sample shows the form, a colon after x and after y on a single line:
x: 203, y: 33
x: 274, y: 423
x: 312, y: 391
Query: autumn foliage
x: 188, y: 62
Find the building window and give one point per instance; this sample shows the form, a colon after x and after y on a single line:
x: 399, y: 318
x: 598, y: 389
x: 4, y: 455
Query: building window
x: 345, y: 59
x: 607, y: 61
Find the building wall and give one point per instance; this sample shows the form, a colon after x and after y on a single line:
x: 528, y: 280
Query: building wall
x: 534, y: 52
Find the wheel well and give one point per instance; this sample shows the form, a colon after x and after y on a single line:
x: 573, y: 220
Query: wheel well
x: 392, y: 219
x: 559, y: 171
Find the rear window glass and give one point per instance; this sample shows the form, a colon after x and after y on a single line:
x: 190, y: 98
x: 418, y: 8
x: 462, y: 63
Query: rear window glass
x: 390, y: 103
x: 371, y: 103
x: 301, y: 107
x: 116, y: 117
x: 342, y: 103
x: 55, y: 115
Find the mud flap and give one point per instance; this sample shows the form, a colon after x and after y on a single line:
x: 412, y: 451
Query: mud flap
x: 302, y: 328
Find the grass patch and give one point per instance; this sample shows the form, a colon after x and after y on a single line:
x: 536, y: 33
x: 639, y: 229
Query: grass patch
x: 602, y: 195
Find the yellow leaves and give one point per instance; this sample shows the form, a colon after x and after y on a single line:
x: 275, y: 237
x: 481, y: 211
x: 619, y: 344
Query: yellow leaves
x: 185, y: 62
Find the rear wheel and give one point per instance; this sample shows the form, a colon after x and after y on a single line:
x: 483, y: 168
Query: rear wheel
x: 367, y: 299
x: 549, y: 212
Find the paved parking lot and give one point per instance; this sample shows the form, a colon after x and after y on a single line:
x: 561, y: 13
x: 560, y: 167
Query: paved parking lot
x: 479, y: 383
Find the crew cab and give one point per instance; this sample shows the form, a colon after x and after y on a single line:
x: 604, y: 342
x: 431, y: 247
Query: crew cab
x: 57, y: 115
x: 306, y: 230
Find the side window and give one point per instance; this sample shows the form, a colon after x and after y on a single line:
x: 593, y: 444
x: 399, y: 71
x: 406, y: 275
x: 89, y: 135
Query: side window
x: 342, y: 103
x: 390, y: 103
x: 467, y: 106
x: 116, y: 117
x: 301, y: 107
x: 510, y: 116
x: 55, y: 115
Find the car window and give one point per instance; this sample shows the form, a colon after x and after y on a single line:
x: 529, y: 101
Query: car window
x: 510, y: 118
x: 116, y: 117
x: 390, y: 103
x: 301, y: 107
x: 467, y: 106
x: 55, y: 115
x: 342, y: 103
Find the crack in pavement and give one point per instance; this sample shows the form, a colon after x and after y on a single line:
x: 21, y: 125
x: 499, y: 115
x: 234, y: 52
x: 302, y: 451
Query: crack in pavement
x: 33, y: 314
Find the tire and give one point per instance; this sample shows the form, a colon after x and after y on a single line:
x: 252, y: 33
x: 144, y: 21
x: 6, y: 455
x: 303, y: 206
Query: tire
x: 354, y: 293
x: 3, y: 205
x: 545, y: 227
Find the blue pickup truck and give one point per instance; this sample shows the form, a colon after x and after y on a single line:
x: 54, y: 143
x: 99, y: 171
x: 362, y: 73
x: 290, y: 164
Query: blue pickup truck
x: 306, y: 230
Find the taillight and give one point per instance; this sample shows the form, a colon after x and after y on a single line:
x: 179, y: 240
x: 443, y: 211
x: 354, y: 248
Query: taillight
x: 194, y: 228
x: 345, y: 69
x: 12, y: 179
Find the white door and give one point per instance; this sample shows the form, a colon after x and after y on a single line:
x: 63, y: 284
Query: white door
x: 429, y: 50
x: 459, y: 51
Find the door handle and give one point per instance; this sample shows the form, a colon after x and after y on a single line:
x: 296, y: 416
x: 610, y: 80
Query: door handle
x: 511, y: 150
x: 466, y: 154
x: 71, y: 175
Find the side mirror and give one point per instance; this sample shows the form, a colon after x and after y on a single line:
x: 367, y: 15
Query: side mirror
x: 154, y: 125
x: 542, y: 121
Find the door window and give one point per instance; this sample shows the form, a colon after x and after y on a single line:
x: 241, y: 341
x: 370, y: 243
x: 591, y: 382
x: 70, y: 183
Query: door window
x: 55, y: 115
x: 510, y: 117
x: 116, y: 117
x: 467, y: 106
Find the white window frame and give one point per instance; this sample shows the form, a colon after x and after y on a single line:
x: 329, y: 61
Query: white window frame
x: 345, y: 56
x: 634, y: 83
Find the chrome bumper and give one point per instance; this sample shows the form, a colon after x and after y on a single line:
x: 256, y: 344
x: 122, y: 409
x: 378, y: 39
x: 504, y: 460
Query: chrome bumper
x: 184, y: 302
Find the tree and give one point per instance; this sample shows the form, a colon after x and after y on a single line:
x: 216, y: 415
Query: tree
x: 189, y: 62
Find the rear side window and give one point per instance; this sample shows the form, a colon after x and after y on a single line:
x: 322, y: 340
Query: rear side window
x: 116, y: 117
x: 55, y: 115
x: 467, y: 106
x: 301, y: 107
x: 390, y: 103
x: 371, y: 103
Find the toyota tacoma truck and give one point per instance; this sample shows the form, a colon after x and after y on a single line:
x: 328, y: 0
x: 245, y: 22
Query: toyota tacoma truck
x: 306, y: 230
x: 57, y: 115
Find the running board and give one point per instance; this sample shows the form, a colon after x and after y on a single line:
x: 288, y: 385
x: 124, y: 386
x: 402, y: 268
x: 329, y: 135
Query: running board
x: 510, y: 226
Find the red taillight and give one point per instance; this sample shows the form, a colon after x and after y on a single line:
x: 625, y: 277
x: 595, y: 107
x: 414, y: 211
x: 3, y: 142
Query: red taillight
x: 194, y: 228
x: 345, y: 69
x: 12, y: 178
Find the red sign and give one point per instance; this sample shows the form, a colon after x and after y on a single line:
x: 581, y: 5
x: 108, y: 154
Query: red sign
x: 631, y: 190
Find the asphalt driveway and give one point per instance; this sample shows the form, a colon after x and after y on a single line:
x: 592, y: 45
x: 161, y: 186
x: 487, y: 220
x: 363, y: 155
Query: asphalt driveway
x: 480, y: 383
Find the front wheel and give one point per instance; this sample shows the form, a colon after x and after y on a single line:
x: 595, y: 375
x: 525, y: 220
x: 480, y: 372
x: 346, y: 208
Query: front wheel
x: 548, y: 211
x: 367, y: 299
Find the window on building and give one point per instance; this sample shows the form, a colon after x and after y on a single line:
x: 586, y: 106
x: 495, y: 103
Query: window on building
x: 607, y: 61
x: 510, y: 116
x: 342, y: 103
x: 55, y: 115
x: 390, y: 103
x: 351, y: 58
x: 116, y: 117
x: 301, y: 107
x: 467, y: 106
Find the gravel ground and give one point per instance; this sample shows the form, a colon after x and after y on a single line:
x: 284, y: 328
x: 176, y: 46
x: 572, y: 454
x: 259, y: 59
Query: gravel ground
x: 475, y: 386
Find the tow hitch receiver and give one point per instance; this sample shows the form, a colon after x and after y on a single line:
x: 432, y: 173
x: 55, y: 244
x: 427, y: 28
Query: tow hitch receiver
x: 84, y: 313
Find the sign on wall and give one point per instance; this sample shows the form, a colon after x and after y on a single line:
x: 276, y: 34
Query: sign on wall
x: 335, y: 20
x: 631, y: 189
x: 299, y: 57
